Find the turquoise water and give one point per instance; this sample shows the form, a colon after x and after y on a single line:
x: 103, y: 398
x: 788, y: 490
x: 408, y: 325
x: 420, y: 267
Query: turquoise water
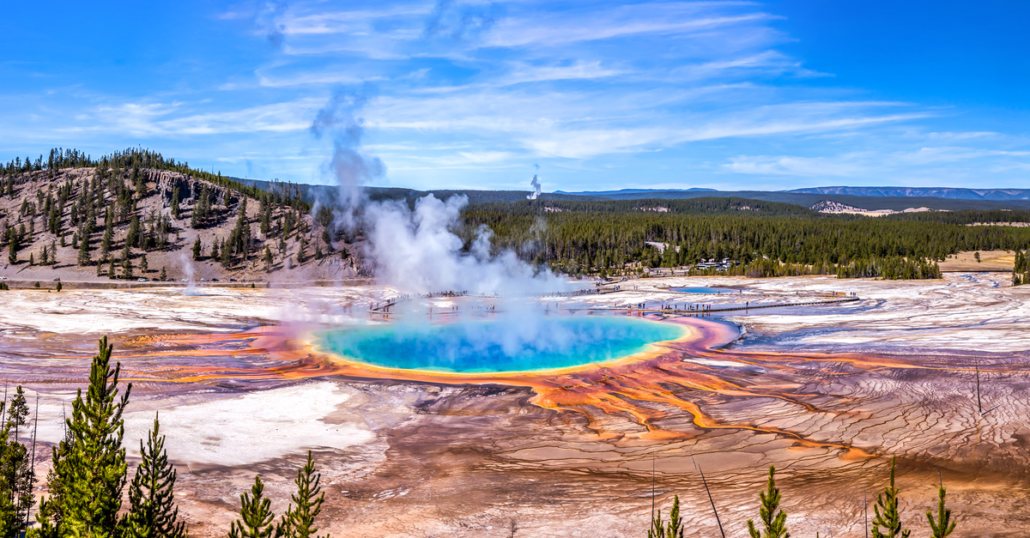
x: 705, y: 290
x: 499, y: 346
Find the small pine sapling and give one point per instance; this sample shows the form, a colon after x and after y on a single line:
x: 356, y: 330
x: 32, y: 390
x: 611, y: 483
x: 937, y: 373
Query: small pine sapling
x: 775, y: 523
x: 256, y: 517
x: 672, y: 529
x: 943, y: 526
x: 886, y: 513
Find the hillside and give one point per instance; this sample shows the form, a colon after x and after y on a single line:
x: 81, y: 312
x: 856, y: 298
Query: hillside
x: 44, y: 215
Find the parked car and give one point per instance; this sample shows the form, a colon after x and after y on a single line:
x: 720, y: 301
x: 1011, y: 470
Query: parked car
x: 232, y: 280
x: 214, y: 280
x: 185, y: 280
x: 3, y: 278
x: 203, y: 280
x: 141, y: 279
x: 57, y: 279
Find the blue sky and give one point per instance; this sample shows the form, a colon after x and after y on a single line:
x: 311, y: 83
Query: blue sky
x: 599, y: 95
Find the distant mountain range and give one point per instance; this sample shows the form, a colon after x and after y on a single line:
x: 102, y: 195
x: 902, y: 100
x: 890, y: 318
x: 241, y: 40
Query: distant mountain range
x: 921, y: 192
x: 869, y: 198
x: 621, y: 192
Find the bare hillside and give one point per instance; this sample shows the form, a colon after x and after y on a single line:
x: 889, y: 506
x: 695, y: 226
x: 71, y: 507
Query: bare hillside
x: 46, y: 214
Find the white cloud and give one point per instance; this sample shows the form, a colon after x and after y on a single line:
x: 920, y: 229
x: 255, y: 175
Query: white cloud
x: 875, y: 163
x: 792, y: 166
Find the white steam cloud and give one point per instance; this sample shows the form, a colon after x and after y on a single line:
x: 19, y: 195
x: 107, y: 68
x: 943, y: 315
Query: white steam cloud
x: 351, y: 168
x: 536, y: 188
x: 416, y: 250
x: 187, y: 269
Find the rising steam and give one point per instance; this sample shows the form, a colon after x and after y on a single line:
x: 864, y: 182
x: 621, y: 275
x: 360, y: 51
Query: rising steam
x: 351, y: 168
x: 536, y: 188
x: 187, y: 269
x: 415, y: 250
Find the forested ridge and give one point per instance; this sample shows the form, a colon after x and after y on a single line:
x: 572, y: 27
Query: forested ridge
x: 966, y: 216
x: 605, y: 236
x: 115, y: 210
x: 58, y: 159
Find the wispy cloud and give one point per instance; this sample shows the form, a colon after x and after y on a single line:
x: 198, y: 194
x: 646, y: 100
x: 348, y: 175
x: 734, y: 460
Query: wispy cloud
x: 485, y: 89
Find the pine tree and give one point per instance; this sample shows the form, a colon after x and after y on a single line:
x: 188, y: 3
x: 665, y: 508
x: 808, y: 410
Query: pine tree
x: 127, y: 268
x: 84, y: 257
x: 152, y: 512
x: 197, y: 249
x: 17, y: 477
x: 256, y: 517
x: 164, y: 276
x: 944, y: 526
x: 672, y: 529
x: 299, y: 521
x: 110, y: 269
x: 88, y: 474
x: 775, y: 524
x: 143, y: 267
x: 214, y: 249
x: 175, y: 203
x: 133, y: 236
x: 268, y: 259
x: 105, y: 244
x: 886, y: 512
x: 226, y: 258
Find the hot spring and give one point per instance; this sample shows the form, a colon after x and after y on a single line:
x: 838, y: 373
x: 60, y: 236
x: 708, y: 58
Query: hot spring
x: 507, y: 345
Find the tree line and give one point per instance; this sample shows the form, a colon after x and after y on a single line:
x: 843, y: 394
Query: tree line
x: 615, y: 241
x: 286, y: 194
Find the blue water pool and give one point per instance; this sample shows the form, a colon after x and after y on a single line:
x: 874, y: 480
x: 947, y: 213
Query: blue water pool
x: 705, y: 290
x: 513, y: 345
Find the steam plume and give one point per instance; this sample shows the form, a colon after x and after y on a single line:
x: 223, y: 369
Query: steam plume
x: 349, y: 166
x: 187, y: 269
x: 536, y: 188
x: 415, y: 250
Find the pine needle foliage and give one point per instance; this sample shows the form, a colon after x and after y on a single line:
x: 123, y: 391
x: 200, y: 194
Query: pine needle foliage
x: 672, y: 529
x: 152, y: 512
x: 16, y: 474
x: 89, y: 468
x: 943, y: 526
x: 886, y: 512
x: 775, y: 523
x: 256, y: 517
x: 50, y: 515
x: 299, y: 519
